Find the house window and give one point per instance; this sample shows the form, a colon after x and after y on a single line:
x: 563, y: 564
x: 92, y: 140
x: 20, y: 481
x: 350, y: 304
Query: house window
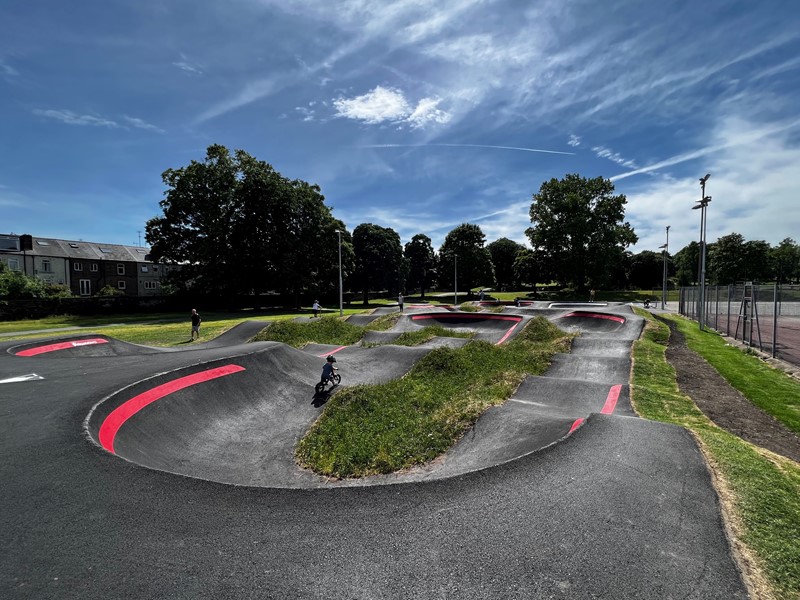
x: 86, y: 287
x: 94, y: 268
x: 155, y: 268
x: 120, y: 269
x: 145, y: 269
x: 77, y: 266
x: 121, y: 285
x: 46, y: 268
x: 150, y: 285
x: 13, y: 264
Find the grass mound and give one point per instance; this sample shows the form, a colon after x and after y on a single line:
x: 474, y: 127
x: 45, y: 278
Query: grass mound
x: 385, y: 428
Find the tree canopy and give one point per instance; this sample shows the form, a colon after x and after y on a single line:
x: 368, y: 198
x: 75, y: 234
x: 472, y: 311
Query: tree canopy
x: 464, y: 248
x: 235, y: 225
x: 379, y: 257
x: 504, y: 252
x: 578, y: 227
x: 421, y: 263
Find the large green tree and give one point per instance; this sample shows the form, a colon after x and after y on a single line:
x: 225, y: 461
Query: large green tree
x: 786, y: 261
x: 379, y: 259
x: 725, y: 260
x: 504, y: 252
x: 463, y: 252
x: 235, y: 225
x: 646, y: 270
x: 578, y: 227
x: 421, y: 261
x: 687, y: 263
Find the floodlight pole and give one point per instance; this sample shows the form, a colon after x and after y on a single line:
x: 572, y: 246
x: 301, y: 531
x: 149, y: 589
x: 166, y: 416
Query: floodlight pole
x: 341, y: 295
x: 702, y: 205
x: 664, y: 285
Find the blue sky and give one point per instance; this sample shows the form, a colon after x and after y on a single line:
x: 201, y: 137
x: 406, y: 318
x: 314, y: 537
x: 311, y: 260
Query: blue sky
x: 412, y: 115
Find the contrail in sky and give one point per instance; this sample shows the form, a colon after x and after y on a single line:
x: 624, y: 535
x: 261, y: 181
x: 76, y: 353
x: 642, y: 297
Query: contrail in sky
x: 464, y: 146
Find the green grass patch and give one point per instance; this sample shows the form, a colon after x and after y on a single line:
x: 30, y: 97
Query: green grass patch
x: 325, y: 330
x: 385, y: 428
x: 765, y: 491
x: 420, y: 336
x: 769, y: 389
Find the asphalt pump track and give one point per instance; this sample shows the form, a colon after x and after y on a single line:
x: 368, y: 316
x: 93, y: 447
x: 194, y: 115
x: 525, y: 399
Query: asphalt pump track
x: 561, y: 491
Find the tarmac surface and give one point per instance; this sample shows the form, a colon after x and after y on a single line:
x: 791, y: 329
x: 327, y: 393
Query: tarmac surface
x: 560, y: 493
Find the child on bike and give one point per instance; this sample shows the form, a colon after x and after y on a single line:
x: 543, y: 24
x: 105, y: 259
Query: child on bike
x: 328, y: 368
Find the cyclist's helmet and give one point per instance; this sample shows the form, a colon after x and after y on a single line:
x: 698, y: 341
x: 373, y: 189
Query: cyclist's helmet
x: 331, y: 358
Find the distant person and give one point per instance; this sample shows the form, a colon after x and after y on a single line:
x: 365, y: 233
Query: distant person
x: 481, y: 295
x: 196, y: 320
x: 316, y: 308
x: 400, y: 301
x: 591, y: 295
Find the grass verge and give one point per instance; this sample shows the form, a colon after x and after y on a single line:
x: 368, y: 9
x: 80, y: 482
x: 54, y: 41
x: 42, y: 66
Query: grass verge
x: 385, y: 428
x: 763, y: 385
x: 761, y: 491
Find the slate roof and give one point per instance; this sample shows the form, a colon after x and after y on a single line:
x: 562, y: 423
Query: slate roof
x: 84, y: 250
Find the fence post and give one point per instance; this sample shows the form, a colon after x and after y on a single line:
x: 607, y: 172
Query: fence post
x: 774, y: 320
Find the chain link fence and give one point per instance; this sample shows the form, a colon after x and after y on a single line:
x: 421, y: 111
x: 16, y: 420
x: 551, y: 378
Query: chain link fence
x: 766, y: 317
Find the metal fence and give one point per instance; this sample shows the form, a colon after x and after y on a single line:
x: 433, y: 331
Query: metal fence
x: 766, y: 317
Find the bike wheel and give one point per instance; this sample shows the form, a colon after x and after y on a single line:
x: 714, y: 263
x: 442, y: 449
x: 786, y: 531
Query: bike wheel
x: 320, y: 387
x: 336, y: 378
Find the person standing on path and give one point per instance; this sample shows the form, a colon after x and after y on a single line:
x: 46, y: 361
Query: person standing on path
x: 400, y: 301
x: 316, y: 308
x: 196, y: 320
x: 591, y: 295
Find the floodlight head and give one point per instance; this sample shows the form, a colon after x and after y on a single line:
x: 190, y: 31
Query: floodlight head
x: 696, y: 206
x: 704, y: 179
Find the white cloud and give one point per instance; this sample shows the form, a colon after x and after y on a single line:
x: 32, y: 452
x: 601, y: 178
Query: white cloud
x: 185, y: 64
x: 603, y: 152
x: 754, y: 188
x: 71, y: 118
x: 389, y: 105
x: 141, y: 124
x: 574, y: 140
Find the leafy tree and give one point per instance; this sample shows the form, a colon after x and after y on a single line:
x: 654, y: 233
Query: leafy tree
x: 14, y: 284
x: 504, y: 252
x: 756, y: 261
x: 109, y: 291
x: 421, y: 262
x: 378, y: 255
x: 786, y: 261
x: 529, y: 269
x: 646, y: 270
x: 725, y: 259
x: 578, y: 227
x: 235, y: 225
x: 463, y: 253
x: 687, y: 262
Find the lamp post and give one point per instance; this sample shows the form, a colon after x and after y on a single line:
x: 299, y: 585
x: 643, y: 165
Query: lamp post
x: 702, y: 204
x: 455, y: 280
x: 341, y: 307
x: 664, y: 284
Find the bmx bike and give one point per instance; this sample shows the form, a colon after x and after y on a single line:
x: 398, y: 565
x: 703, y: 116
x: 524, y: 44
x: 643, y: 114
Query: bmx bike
x: 333, y: 380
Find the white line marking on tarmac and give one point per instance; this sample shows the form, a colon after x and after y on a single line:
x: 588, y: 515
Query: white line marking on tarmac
x: 531, y: 402
x: 29, y: 377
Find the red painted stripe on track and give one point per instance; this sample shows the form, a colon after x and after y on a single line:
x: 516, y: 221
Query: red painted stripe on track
x: 332, y: 351
x: 61, y: 346
x: 596, y: 316
x: 608, y: 407
x: 466, y: 316
x: 117, y: 418
x: 611, y: 400
x: 575, y: 425
x: 517, y: 320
